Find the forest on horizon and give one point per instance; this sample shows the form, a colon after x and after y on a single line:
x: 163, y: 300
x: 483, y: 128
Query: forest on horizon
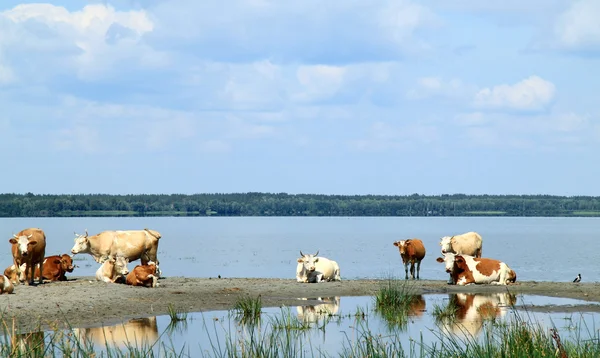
x: 283, y: 204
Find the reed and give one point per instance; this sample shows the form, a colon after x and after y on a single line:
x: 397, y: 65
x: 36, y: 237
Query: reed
x: 248, y: 309
x: 393, y: 301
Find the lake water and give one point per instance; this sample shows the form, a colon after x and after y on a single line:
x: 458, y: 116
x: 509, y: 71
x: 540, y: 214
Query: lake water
x: 208, y: 333
x: 539, y: 249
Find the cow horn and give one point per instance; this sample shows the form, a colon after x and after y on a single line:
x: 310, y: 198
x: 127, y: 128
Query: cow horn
x: 15, y: 236
x: 317, y: 254
x: 301, y: 254
x: 29, y: 236
x: 86, y: 234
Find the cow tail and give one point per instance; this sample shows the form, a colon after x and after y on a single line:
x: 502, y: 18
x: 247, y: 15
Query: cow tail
x: 153, y: 233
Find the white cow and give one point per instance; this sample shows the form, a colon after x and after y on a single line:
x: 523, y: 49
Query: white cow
x: 329, y: 306
x: 313, y: 269
x: 466, y: 270
x: 113, y: 269
x: 465, y: 244
x: 131, y: 244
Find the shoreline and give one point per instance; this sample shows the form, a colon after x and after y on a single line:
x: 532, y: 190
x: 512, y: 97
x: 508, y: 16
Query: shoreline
x: 85, y: 302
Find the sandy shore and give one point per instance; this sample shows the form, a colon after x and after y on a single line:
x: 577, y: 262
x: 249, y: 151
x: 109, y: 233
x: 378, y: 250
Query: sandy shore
x: 84, y: 302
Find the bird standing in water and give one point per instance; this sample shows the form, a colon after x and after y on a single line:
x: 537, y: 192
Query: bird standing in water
x: 578, y: 278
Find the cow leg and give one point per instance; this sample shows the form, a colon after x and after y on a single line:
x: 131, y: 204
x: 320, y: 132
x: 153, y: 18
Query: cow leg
x: 406, y: 271
x: 41, y: 280
x: 412, y: 270
x: 418, y: 269
x: 31, y: 269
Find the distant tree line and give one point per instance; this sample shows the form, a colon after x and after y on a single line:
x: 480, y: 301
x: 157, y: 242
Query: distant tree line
x: 282, y: 204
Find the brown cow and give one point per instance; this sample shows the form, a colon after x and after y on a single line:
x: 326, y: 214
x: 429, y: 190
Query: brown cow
x: 412, y: 251
x: 143, y: 275
x: 55, y: 267
x: 6, y: 286
x: 15, y: 275
x: 29, y: 247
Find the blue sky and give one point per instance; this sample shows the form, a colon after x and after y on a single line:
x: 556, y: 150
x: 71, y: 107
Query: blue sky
x: 334, y: 97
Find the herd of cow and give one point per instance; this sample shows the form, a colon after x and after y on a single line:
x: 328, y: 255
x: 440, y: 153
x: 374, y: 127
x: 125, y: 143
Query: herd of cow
x: 113, y: 250
x: 461, y: 255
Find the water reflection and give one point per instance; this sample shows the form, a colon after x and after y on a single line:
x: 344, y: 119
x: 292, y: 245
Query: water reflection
x: 399, y: 315
x: 137, y: 331
x: 32, y: 342
x: 465, y: 313
x: 315, y: 313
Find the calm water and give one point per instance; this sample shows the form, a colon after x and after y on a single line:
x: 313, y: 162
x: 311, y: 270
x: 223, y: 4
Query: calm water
x: 268, y: 247
x: 203, y: 334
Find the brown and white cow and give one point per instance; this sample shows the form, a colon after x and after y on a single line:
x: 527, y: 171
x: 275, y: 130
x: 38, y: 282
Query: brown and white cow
x: 472, y: 310
x: 29, y: 248
x: 131, y: 244
x: 412, y: 251
x: 15, y: 276
x: 112, y: 270
x: 466, y: 270
x: 6, y: 286
x: 143, y: 275
x: 315, y: 269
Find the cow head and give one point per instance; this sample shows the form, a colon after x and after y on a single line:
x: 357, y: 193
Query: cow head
x: 82, y: 243
x: 120, y: 265
x: 401, y: 245
x: 449, y: 261
x: 66, y: 262
x: 446, y: 244
x: 308, y: 261
x: 24, y: 245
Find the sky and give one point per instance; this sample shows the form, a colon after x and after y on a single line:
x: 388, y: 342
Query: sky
x: 385, y: 97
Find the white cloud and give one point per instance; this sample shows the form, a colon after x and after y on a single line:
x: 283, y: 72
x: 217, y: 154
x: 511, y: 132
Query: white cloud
x: 436, y: 86
x: 530, y: 94
x: 93, y: 40
x: 318, y: 82
x: 578, y: 28
x: 310, y: 31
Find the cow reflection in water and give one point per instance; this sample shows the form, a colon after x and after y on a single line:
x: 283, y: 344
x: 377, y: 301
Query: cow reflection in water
x: 472, y: 310
x: 323, y: 307
x: 137, y: 331
x: 28, y: 344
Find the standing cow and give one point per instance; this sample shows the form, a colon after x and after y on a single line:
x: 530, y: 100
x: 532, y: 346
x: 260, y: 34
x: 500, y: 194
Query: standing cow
x: 412, y: 251
x: 465, y: 244
x: 29, y: 248
x: 312, y: 268
x: 130, y: 244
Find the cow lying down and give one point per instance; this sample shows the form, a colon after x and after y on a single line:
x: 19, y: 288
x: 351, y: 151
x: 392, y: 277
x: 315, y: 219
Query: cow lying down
x: 466, y: 270
x: 113, y: 270
x: 143, y: 275
x: 312, y: 269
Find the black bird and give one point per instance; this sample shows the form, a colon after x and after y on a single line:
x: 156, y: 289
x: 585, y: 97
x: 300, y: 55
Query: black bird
x: 578, y: 278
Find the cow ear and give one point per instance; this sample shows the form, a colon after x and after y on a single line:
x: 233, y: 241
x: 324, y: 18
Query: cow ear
x: 57, y: 261
x: 439, y: 259
x: 316, y: 259
x: 300, y: 260
x: 459, y: 259
x: 12, y: 241
x: 396, y: 243
x: 32, y: 242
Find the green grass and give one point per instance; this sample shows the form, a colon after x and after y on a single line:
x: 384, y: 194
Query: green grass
x: 490, y: 213
x: 394, y: 300
x: 248, y: 309
x: 586, y: 213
